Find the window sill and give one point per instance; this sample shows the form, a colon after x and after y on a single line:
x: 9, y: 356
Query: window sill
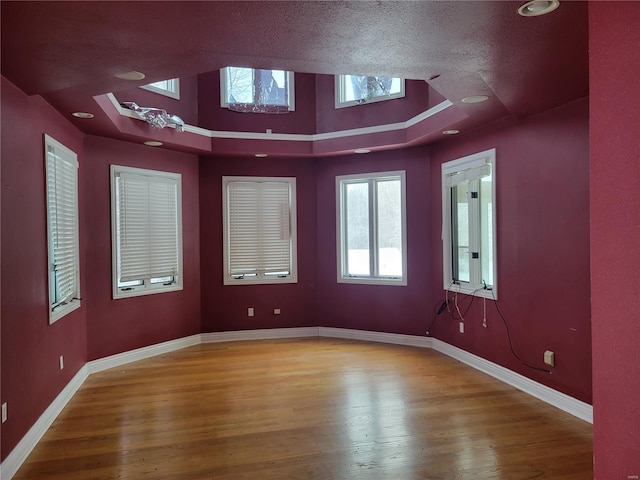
x: 400, y: 282
x: 260, y: 281
x: 64, y: 310
x: 140, y: 291
x: 489, y: 293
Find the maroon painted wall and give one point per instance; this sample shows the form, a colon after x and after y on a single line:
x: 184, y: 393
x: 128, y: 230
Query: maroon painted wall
x: 542, y: 171
x: 614, y: 58
x: 224, y: 307
x: 381, y: 308
x: 418, y: 98
x: 116, y: 326
x: 214, y: 117
x: 31, y: 377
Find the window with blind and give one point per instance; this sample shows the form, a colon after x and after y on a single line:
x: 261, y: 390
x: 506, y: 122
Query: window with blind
x: 146, y: 227
x: 469, y: 227
x: 259, y: 218
x: 62, y: 229
x: 371, y: 228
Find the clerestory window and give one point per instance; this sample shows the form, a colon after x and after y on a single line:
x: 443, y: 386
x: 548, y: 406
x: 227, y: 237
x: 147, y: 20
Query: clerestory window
x: 257, y: 91
x: 169, y: 88
x: 358, y: 89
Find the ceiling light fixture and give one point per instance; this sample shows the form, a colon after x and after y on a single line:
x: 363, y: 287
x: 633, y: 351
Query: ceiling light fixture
x: 475, y: 99
x: 153, y: 143
x: 538, y: 7
x: 82, y: 114
x: 132, y: 75
x: 362, y: 150
x: 261, y: 155
x: 451, y: 132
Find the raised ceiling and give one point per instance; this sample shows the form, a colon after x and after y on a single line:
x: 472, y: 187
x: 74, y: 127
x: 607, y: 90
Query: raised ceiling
x: 69, y: 52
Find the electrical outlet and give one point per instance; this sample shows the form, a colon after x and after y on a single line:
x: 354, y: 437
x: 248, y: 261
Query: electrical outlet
x: 4, y: 412
x: 276, y: 311
x: 461, y: 327
x: 250, y: 312
x: 550, y: 358
x: 61, y: 362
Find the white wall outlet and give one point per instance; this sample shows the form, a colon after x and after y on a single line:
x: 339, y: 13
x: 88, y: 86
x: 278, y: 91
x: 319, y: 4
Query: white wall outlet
x: 461, y: 327
x: 276, y: 311
x: 4, y: 412
x: 61, y: 362
x: 250, y: 312
x: 550, y: 358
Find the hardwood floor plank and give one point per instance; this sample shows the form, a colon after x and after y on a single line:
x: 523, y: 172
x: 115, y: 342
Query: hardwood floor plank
x: 321, y: 409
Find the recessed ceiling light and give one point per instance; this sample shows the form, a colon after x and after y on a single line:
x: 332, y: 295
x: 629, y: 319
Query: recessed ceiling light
x: 475, y: 99
x: 153, y: 143
x: 82, y: 114
x: 261, y: 155
x: 362, y: 150
x: 132, y: 75
x: 538, y: 7
x: 451, y: 132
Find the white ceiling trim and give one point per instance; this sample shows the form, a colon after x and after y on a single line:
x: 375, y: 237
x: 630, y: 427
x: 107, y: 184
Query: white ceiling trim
x: 298, y: 137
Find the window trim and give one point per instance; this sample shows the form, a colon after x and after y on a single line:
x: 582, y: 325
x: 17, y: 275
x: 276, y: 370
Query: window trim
x: 172, y: 92
x: 468, y: 163
x: 66, y: 155
x: 150, y: 288
x: 341, y: 182
x: 339, y: 87
x: 260, y: 280
x: 291, y: 98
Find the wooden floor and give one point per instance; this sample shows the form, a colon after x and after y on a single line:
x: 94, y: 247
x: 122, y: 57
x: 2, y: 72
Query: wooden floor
x: 307, y: 409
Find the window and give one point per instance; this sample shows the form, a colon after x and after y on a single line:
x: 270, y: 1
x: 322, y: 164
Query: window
x: 259, y: 218
x: 169, y: 88
x: 469, y: 227
x: 257, y: 91
x: 371, y: 228
x: 146, y: 226
x: 357, y: 89
x: 62, y: 229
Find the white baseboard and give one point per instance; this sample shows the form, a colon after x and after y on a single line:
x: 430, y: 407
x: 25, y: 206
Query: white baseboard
x: 22, y: 450
x: 368, y: 336
x: 19, y: 454
x: 564, y: 402
x: 119, y: 359
x: 263, y: 334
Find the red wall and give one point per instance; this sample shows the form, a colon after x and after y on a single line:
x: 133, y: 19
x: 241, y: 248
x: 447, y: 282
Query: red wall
x: 214, y: 117
x: 31, y: 377
x: 224, y: 307
x: 393, y: 309
x: 614, y: 58
x: 418, y: 98
x: 543, y: 218
x: 542, y: 172
x: 116, y: 326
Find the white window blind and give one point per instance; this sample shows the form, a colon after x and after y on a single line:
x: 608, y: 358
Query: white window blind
x: 62, y: 207
x: 259, y: 222
x: 147, y: 228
